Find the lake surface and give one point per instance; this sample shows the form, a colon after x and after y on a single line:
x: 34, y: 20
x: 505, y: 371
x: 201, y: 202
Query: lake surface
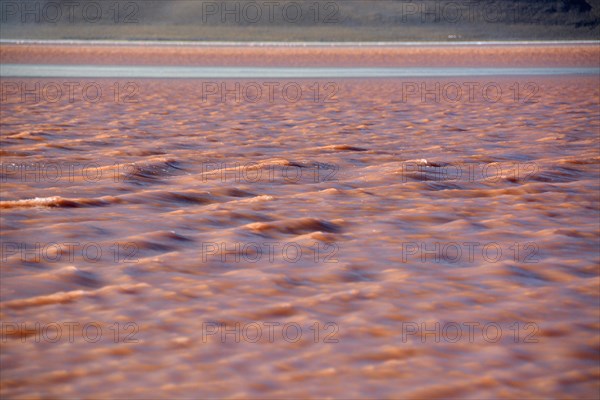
x: 385, y: 227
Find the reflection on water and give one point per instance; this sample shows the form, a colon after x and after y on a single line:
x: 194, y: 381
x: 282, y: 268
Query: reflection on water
x: 162, y: 218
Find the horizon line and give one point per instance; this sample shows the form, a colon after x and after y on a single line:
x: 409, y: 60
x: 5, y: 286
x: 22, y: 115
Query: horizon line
x: 199, y: 43
x: 171, y: 72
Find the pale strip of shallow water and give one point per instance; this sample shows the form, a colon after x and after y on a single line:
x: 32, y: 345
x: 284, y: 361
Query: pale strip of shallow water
x: 121, y: 71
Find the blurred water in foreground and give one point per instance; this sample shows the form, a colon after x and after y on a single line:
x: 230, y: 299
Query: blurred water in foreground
x: 276, y: 237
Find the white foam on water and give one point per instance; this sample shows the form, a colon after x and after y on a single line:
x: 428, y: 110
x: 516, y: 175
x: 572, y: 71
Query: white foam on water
x: 35, y: 202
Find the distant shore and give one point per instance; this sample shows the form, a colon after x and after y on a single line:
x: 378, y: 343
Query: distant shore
x: 508, y: 54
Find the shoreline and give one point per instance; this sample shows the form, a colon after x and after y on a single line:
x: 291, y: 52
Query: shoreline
x: 170, y: 72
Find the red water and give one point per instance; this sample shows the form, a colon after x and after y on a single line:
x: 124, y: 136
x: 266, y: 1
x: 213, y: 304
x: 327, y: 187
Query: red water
x: 191, y: 202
